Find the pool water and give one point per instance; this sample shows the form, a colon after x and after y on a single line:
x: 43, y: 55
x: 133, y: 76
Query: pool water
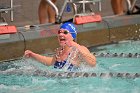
x: 26, y: 82
x: 120, y: 47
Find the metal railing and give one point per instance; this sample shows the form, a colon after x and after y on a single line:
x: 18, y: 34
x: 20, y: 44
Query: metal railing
x: 74, y: 3
x: 6, y: 9
x: 131, y: 5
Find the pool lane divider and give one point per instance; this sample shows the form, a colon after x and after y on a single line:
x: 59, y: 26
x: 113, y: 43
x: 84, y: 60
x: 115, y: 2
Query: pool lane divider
x: 107, y: 55
x: 49, y: 74
x: 121, y: 55
x: 92, y: 74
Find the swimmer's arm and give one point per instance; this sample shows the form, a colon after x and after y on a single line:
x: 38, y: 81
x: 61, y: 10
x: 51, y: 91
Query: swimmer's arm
x: 43, y: 59
x: 89, y: 58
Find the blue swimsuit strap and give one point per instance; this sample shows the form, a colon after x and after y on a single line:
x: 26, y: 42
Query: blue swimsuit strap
x: 61, y: 63
x: 69, y: 65
x: 66, y: 64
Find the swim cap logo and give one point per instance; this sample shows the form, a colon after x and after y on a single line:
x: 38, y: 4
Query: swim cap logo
x: 72, y: 27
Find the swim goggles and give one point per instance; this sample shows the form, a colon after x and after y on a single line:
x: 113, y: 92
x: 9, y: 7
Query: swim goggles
x: 64, y: 31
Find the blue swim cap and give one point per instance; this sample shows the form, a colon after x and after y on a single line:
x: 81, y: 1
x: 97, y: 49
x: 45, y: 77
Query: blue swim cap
x: 71, y: 28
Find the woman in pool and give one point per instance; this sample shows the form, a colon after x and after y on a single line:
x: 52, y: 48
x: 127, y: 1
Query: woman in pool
x: 69, y: 54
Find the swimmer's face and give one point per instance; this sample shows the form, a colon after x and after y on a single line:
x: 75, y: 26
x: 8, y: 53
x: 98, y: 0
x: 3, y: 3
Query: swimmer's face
x: 64, y: 36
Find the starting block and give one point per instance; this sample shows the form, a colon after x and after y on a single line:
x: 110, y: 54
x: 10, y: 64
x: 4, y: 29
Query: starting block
x: 82, y: 19
x: 7, y: 29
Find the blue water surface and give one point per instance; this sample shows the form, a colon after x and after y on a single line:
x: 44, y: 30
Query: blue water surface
x: 26, y: 82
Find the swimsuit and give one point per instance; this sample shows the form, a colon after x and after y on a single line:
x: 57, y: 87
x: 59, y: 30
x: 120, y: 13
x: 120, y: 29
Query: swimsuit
x: 67, y: 64
x: 60, y: 65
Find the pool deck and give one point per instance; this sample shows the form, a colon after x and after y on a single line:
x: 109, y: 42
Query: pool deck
x: 26, y: 11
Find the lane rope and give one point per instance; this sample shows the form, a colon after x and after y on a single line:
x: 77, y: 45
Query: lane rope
x: 119, y: 55
x: 72, y: 74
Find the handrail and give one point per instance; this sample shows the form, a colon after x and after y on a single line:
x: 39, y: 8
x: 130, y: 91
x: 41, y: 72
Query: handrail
x: 55, y: 9
x: 12, y: 12
x: 131, y: 6
x: 58, y: 16
x: 9, y: 8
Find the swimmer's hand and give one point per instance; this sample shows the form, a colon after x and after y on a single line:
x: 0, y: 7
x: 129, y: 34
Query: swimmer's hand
x: 28, y: 53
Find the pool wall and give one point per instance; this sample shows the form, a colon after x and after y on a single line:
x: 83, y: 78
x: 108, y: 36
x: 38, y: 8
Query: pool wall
x: 43, y: 39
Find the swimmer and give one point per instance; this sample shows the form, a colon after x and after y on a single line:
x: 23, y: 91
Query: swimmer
x: 69, y: 53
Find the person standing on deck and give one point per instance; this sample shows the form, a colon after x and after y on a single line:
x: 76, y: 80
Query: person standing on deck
x: 118, y: 7
x: 44, y: 10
